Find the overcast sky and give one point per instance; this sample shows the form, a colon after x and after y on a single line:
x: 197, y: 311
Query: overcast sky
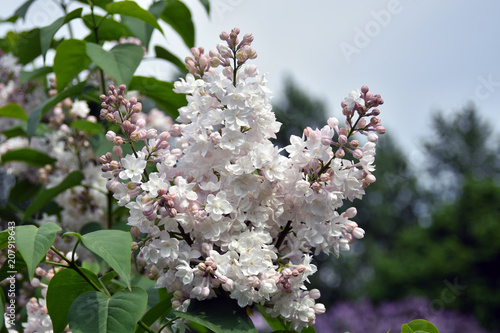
x: 421, y: 56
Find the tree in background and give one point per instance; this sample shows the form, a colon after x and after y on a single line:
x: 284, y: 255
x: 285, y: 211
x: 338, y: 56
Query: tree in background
x: 453, y: 261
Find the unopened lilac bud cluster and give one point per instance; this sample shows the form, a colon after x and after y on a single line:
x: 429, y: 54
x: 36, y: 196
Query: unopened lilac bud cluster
x: 225, y: 211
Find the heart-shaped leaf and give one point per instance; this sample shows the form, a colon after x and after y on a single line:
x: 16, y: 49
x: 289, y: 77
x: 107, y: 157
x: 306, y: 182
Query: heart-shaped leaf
x: 132, y: 9
x: 114, y: 247
x: 120, y: 62
x: 70, y: 59
x: 13, y: 111
x: 160, y: 310
x: 33, y: 243
x: 219, y: 315
x: 169, y: 56
x: 63, y: 289
x: 48, y: 32
x: 44, y: 197
x: 139, y: 28
x: 178, y: 16
x: 94, y: 312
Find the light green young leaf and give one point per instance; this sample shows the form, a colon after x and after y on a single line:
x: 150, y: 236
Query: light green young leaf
x: 178, y: 16
x: 132, y: 9
x: 120, y: 62
x: 70, y: 59
x: 167, y: 55
x: 29, y: 156
x: 44, y: 197
x: 114, y: 247
x: 63, y: 289
x: 33, y: 243
x: 419, y: 326
x: 48, y: 32
x: 219, y: 315
x: 94, y: 312
x: 39, y: 111
x: 13, y: 111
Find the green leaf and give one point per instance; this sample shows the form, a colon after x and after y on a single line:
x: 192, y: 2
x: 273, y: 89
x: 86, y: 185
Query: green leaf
x: 6, y: 270
x: 13, y: 111
x: 94, y: 312
x: 158, y: 311
x: 160, y: 92
x: 48, y: 32
x: 87, y: 126
x: 167, y: 55
x: 27, y: 46
x: 120, y: 62
x: 419, y: 326
x: 132, y: 9
x: 26, y: 76
x: 21, y: 11
x: 309, y: 329
x: 275, y: 323
x: 140, y: 29
x: 2, y: 304
x: 70, y: 59
x: 44, y: 197
x: 36, y: 114
x: 4, y: 239
x: 33, y: 243
x: 99, y: 3
x: 29, y: 156
x: 219, y: 315
x: 63, y: 289
x: 114, y: 246
x: 178, y: 16
x: 91, y: 227
x: 109, y: 29
x: 100, y: 145
x: 106, y: 278
x: 206, y: 5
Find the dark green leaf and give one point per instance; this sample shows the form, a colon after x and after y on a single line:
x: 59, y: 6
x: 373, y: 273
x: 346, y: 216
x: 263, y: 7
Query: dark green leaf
x: 158, y: 311
x: 109, y: 29
x: 33, y: 243
x: 26, y: 76
x: 2, y: 304
x: 48, y: 32
x: 4, y: 239
x: 100, y: 144
x: 6, y: 270
x: 91, y: 227
x: 70, y: 59
x: 63, y: 289
x: 94, y: 312
x: 219, y: 315
x: 36, y: 114
x: 43, y: 198
x: 309, y: 329
x: 140, y: 29
x: 13, y: 111
x: 161, y: 92
x: 24, y: 190
x: 419, y: 326
x: 275, y: 323
x: 114, y: 246
x: 106, y: 278
x: 132, y: 9
x: 27, y: 46
x: 98, y: 3
x: 29, y: 156
x: 167, y: 55
x: 87, y: 126
x: 178, y: 16
x: 120, y: 62
x: 206, y: 5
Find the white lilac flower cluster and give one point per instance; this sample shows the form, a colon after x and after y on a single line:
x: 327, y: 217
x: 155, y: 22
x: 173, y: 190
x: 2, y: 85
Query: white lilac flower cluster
x: 221, y: 210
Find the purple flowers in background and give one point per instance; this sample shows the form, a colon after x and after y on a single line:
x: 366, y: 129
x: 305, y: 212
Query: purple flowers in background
x: 363, y: 316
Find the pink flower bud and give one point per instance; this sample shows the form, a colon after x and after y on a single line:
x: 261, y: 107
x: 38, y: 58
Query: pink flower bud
x: 118, y: 141
x: 350, y: 212
x: 319, y: 308
x: 372, y: 137
x: 357, y: 153
x: 314, y: 294
x: 333, y: 122
x: 370, y: 179
x: 380, y: 129
x: 342, y: 139
x: 118, y: 151
x: 195, y: 52
x: 224, y: 35
x: 358, y: 233
x: 340, y: 153
x: 354, y: 144
x: 110, y: 135
x: 214, y: 62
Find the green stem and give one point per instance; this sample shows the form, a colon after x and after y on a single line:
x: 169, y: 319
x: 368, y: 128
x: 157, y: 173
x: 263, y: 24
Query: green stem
x: 56, y: 264
x: 145, y: 327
